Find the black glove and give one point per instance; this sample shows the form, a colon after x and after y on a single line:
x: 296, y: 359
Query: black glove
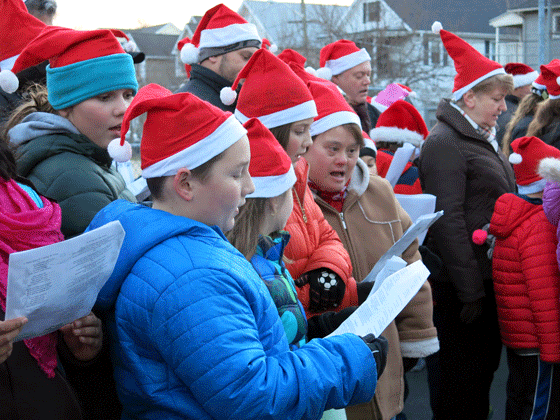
x: 379, y: 348
x: 319, y: 326
x: 471, y: 311
x: 364, y: 288
x: 326, y: 289
x: 431, y: 260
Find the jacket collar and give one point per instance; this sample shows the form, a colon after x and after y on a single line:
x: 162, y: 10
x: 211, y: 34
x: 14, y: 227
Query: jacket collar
x: 212, y: 79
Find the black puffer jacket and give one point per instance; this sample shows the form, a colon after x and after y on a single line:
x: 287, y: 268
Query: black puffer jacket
x: 207, y: 85
x: 467, y: 176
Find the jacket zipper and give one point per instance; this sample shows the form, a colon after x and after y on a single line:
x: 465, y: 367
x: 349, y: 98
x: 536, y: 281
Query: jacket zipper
x: 343, y: 221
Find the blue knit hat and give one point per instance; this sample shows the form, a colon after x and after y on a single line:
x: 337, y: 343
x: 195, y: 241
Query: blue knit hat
x: 82, y: 64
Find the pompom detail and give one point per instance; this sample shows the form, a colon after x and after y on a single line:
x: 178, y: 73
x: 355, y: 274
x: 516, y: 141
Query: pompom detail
x: 324, y: 73
x: 228, y: 96
x: 412, y: 94
x: 558, y: 80
x: 311, y: 70
x: 479, y: 236
x: 515, y: 158
x: 129, y: 46
x: 8, y: 81
x: 436, y: 27
x: 119, y: 153
x: 273, y: 48
x: 549, y: 169
x: 189, y: 54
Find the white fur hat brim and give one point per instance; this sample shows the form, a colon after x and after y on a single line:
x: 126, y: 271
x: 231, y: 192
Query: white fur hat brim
x: 396, y: 135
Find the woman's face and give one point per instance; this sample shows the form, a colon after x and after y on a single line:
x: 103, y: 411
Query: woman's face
x: 485, y: 108
x: 100, y: 118
x: 219, y: 196
x: 299, y: 139
x: 332, y: 158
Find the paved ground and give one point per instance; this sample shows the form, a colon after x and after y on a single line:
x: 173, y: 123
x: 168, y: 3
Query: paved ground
x: 417, y: 406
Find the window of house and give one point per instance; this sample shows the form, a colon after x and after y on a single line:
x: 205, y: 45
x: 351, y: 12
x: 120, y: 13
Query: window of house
x: 436, y: 52
x: 556, y: 23
x: 372, y: 12
x: 426, y: 50
x: 490, y: 49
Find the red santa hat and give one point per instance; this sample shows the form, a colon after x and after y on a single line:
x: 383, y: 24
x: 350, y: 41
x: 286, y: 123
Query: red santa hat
x: 523, y: 75
x: 332, y: 108
x: 271, y: 168
x: 219, y: 28
x: 271, y: 92
x: 82, y: 64
x: 471, y: 66
x: 180, y: 46
x: 273, y: 48
x: 526, y: 156
x: 168, y: 143
x: 400, y: 123
x: 550, y: 76
x: 337, y: 57
x: 19, y: 28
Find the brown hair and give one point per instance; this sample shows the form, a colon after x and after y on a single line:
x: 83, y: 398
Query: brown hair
x: 547, y: 112
x: 354, y: 130
x: 36, y: 100
x: 201, y: 172
x: 504, y: 81
x: 245, y: 233
x: 527, y: 106
x: 282, y: 134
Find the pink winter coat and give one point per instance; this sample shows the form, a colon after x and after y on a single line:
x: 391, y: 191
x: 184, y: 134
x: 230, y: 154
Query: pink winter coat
x: 526, y: 276
x: 551, y: 207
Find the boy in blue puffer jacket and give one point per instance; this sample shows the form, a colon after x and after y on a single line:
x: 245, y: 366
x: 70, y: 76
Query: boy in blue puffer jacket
x: 194, y: 332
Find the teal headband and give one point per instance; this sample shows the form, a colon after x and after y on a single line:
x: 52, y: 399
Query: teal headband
x: 76, y: 82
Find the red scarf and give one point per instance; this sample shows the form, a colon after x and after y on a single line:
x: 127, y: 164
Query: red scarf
x: 335, y: 199
x: 24, y: 226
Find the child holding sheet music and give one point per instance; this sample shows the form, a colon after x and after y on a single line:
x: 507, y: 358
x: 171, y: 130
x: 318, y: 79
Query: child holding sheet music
x: 32, y: 385
x: 369, y: 220
x: 258, y: 234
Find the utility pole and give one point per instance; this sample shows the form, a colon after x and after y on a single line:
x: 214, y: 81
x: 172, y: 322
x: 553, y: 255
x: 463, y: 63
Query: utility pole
x: 542, y: 38
x: 304, y: 21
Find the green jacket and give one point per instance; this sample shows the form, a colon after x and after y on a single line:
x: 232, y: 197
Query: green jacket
x: 76, y: 173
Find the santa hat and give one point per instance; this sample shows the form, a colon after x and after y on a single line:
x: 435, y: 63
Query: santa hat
x: 82, y: 64
x: 168, y: 143
x: 400, y: 123
x: 271, y: 168
x: 471, y: 66
x: 221, y: 30
x: 180, y: 46
x: 369, y: 148
x: 332, y: 108
x: 273, y: 48
x: 527, y: 153
x: 392, y: 93
x: 19, y: 28
x: 129, y: 46
x: 523, y: 75
x: 296, y: 61
x: 550, y: 76
x: 339, y: 56
x: 271, y: 92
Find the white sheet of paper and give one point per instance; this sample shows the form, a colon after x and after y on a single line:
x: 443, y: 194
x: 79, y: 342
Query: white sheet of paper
x: 417, y: 205
x: 400, y: 159
x: 392, y: 265
x: 382, y: 306
x: 421, y: 224
x: 59, y: 283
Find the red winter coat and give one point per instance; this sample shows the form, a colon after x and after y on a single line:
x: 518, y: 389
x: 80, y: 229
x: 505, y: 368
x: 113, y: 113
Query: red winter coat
x: 526, y: 276
x: 315, y: 244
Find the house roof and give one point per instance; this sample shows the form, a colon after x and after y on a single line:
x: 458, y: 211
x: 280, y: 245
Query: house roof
x: 531, y: 4
x: 154, y: 45
x: 272, y: 16
x: 455, y: 15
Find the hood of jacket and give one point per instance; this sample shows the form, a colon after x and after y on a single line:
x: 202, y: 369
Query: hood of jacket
x: 41, y: 135
x: 360, y: 178
x: 510, y: 211
x: 39, y: 124
x: 145, y: 228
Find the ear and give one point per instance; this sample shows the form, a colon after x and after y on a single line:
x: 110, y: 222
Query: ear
x: 184, y: 184
x: 469, y: 98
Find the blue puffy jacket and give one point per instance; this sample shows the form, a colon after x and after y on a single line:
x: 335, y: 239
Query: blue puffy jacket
x: 196, y: 335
